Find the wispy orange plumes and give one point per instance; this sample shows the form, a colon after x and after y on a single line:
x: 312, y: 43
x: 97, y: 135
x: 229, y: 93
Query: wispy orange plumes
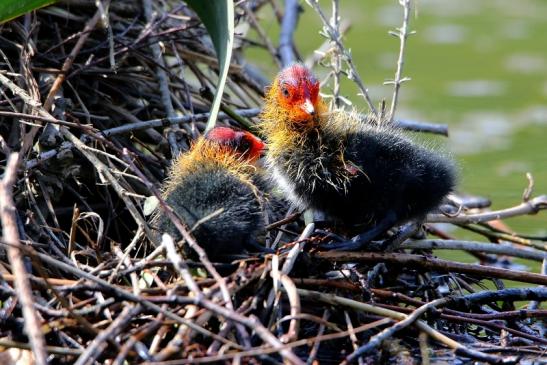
x: 243, y: 143
x: 206, y: 154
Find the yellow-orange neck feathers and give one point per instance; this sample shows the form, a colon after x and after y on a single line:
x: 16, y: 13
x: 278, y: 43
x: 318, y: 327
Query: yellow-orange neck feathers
x: 205, y: 154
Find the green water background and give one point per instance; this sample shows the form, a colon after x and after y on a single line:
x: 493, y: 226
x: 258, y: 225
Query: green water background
x: 478, y: 66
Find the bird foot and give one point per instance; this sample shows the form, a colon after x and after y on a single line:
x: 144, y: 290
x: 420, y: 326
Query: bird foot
x: 360, y: 241
x: 329, y: 235
x: 354, y: 244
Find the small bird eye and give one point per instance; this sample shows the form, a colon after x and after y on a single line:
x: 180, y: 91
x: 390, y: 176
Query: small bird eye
x: 243, y: 146
x: 285, y: 92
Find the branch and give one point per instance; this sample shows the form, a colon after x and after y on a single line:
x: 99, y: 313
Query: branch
x: 335, y: 37
x: 377, y: 339
x: 532, y: 206
x: 500, y: 249
x: 288, y: 26
x: 424, y: 262
x: 163, y: 79
x: 415, y: 126
x: 336, y: 300
x: 402, y: 33
x: 246, y: 113
x: 488, y: 296
x: 10, y: 235
x: 90, y: 25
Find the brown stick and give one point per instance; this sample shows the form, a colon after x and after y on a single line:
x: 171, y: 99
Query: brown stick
x: 70, y: 59
x: 424, y: 262
x: 22, y: 284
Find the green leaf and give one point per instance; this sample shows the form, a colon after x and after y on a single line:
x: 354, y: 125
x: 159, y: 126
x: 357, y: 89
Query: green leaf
x: 10, y: 9
x: 218, y: 18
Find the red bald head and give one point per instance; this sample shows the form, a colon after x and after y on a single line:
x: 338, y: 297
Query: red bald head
x: 297, y: 92
x: 241, y: 142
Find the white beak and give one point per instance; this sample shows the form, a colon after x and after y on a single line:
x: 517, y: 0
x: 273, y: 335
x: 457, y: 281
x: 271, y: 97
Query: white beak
x: 308, y: 107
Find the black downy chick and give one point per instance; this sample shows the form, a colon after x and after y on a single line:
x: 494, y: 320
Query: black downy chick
x: 211, y: 189
x: 356, y: 172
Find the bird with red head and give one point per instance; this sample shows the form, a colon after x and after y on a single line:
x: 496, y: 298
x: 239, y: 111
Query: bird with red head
x: 211, y: 189
x: 243, y: 143
x: 360, y: 173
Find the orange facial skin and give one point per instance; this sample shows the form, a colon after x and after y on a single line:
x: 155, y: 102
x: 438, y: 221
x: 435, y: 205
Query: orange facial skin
x: 243, y: 143
x: 296, y: 91
x: 292, y: 102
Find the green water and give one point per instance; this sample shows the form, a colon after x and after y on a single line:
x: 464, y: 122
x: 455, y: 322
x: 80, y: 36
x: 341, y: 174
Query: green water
x: 478, y: 66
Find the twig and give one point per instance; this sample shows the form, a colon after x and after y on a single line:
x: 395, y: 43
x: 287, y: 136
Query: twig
x: 261, y: 33
x: 353, y: 74
x: 297, y: 249
x: 10, y: 235
x: 487, y: 296
x: 529, y: 189
x: 50, y: 349
x: 288, y: 26
x: 500, y: 249
x: 377, y: 340
x: 337, y: 63
x: 336, y: 300
x: 402, y: 33
x: 160, y: 122
x: 90, y: 25
x: 98, y: 345
x: 352, y: 336
x: 424, y: 262
x: 123, y: 294
x: 532, y: 206
x: 294, y: 300
x: 415, y: 126
x: 163, y: 79
x: 316, y: 344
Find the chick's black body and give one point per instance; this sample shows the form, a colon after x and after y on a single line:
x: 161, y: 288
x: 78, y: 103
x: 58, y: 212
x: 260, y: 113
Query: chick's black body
x: 367, y: 176
x: 223, y: 211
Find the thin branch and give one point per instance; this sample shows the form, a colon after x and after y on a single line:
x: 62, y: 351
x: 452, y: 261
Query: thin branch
x: 98, y: 345
x: 424, y: 262
x: 288, y: 26
x: 335, y: 37
x: 376, y: 340
x: 261, y: 33
x: 10, y: 235
x: 245, y: 113
x: 531, y: 206
x: 500, y: 249
x: 163, y: 79
x: 402, y: 33
x: 67, y: 65
x: 337, y: 62
x: 336, y: 300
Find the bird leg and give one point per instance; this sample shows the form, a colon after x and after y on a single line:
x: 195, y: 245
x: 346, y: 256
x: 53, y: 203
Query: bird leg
x: 359, y: 241
x: 400, y: 236
x: 256, y: 247
x: 329, y: 235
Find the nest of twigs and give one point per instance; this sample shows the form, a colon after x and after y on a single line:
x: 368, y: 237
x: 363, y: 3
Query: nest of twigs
x: 96, y: 102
